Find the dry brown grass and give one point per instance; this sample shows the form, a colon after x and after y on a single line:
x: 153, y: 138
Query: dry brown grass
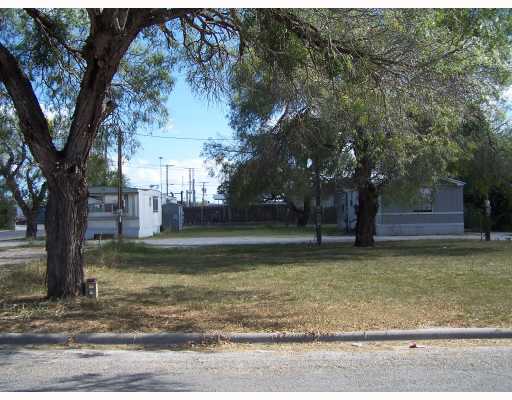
x: 274, y: 288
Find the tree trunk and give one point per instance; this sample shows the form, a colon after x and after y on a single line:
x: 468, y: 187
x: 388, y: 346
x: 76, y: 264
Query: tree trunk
x: 367, y: 205
x: 66, y: 222
x: 366, y: 212
x: 487, y: 218
x: 303, y: 217
x: 31, y: 232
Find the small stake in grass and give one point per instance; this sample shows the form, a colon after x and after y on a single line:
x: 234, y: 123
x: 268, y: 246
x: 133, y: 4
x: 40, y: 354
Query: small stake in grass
x: 92, y: 288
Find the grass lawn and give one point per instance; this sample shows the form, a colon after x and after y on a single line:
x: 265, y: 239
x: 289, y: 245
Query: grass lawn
x: 247, y: 230
x: 337, y: 287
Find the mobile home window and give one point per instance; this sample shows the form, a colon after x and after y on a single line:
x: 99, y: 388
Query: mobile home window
x: 425, y: 203
x: 155, y: 204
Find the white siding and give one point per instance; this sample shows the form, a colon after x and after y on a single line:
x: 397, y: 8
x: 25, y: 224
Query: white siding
x: 139, y: 220
x: 149, y: 221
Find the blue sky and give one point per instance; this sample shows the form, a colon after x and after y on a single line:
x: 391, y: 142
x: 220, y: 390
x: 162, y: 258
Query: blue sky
x: 191, y: 117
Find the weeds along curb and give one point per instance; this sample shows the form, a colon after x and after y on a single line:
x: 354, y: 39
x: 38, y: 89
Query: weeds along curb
x: 177, y: 338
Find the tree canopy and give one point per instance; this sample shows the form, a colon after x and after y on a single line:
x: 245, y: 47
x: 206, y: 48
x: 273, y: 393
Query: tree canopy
x: 392, y: 99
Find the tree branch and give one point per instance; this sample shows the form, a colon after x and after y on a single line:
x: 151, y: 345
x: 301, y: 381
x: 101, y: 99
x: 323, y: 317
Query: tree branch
x: 51, y: 31
x: 32, y: 120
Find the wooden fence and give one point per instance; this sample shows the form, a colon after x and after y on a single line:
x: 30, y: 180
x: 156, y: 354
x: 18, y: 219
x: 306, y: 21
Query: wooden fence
x: 258, y: 214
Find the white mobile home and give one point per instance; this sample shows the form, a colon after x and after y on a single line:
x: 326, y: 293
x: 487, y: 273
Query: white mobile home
x: 142, y: 212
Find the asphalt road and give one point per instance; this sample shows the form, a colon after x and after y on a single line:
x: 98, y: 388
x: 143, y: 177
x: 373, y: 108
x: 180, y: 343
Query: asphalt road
x: 430, y: 369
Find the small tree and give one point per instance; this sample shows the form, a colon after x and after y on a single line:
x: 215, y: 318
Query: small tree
x: 486, y: 163
x: 7, y: 208
x: 22, y: 176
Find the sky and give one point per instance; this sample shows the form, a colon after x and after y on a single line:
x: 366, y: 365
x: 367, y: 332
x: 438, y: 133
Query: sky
x: 190, y: 117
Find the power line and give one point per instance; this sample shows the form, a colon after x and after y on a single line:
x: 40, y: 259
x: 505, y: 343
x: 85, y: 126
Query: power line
x: 184, y: 138
x: 145, y: 166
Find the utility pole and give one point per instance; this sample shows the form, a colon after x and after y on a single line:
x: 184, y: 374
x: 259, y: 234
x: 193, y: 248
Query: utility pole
x: 161, y: 185
x: 119, y: 184
x: 318, y: 210
x: 203, y: 190
x: 105, y: 149
x: 193, y: 187
x: 189, y: 191
x: 166, y: 181
x: 487, y: 219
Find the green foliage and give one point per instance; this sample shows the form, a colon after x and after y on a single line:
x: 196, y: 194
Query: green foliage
x: 54, y: 65
x: 21, y: 175
x: 99, y: 173
x: 486, y: 165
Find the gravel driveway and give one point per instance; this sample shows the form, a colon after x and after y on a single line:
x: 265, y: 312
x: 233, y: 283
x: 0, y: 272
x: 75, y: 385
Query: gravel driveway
x: 275, y: 239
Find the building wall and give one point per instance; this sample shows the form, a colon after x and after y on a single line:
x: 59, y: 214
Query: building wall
x: 139, y: 220
x: 149, y: 221
x: 445, y: 217
x: 108, y: 226
x: 346, y: 208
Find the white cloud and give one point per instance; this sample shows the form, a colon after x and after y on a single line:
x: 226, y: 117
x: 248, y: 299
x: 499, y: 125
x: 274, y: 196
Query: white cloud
x: 143, y: 173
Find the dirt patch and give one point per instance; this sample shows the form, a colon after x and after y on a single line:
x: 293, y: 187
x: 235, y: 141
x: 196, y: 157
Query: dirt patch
x: 21, y: 255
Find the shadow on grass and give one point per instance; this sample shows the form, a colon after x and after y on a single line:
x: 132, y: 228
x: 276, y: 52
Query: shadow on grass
x: 221, y: 259
x: 172, y: 308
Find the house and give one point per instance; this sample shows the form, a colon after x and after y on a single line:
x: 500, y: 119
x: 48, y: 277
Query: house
x: 142, y: 212
x: 440, y: 211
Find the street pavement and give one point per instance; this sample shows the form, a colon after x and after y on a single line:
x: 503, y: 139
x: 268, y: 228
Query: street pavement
x: 422, y: 369
x: 19, y: 233
x: 10, y: 239
x: 286, y: 239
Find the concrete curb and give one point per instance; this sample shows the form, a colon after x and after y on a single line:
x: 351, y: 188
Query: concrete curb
x: 33, y: 338
x: 176, y: 338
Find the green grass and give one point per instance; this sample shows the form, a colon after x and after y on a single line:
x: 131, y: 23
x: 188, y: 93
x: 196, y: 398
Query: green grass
x: 247, y: 230
x: 336, y: 287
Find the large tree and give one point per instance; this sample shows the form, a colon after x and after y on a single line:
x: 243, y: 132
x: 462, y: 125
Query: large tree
x: 88, y: 52
x: 396, y: 92
x: 400, y: 123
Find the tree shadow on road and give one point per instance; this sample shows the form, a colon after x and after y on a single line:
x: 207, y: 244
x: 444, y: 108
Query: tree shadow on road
x: 135, y: 382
